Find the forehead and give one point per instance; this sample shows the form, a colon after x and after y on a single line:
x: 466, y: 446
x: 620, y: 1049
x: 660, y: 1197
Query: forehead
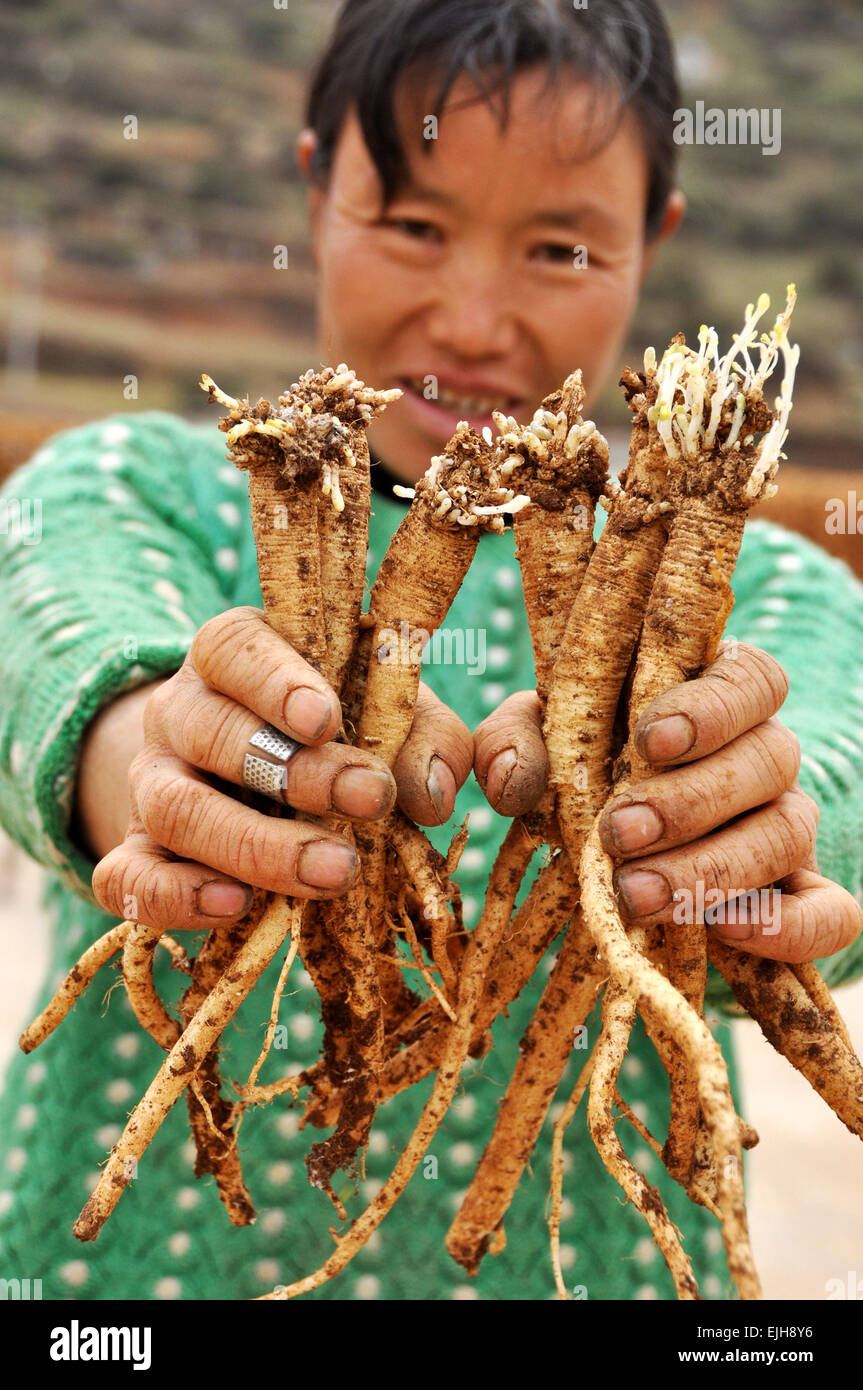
x: 559, y: 143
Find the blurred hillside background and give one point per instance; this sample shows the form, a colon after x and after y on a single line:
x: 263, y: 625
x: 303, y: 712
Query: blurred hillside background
x: 154, y: 257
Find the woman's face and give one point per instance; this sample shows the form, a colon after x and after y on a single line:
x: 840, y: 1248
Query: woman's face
x: 502, y: 265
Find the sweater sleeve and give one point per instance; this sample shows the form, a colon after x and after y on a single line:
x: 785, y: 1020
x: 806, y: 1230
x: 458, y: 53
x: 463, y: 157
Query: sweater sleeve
x: 116, y: 550
x: 806, y: 609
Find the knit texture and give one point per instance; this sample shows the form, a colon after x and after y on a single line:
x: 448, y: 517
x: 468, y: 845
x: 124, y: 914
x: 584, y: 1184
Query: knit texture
x: 146, y: 536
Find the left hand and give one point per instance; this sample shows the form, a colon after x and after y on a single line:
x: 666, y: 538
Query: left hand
x: 724, y: 814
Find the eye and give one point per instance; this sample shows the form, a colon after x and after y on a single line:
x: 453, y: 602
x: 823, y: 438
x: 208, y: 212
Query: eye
x: 555, y: 252
x: 414, y: 228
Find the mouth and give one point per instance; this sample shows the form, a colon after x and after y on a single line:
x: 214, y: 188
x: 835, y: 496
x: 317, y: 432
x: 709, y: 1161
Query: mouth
x: 440, y: 408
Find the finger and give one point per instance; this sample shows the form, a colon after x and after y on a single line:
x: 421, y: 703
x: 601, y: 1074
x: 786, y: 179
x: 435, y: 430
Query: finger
x: 742, y: 688
x: 755, y: 851
x: 184, y: 814
x: 141, y: 882
x: 807, y: 917
x: 434, y: 762
x: 510, y: 761
x: 212, y: 732
x: 239, y: 654
x: 686, y: 802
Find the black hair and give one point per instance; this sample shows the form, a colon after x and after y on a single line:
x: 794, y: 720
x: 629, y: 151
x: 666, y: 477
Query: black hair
x: 618, y: 46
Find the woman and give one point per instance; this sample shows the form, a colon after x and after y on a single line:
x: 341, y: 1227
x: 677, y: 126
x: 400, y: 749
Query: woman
x: 489, y: 183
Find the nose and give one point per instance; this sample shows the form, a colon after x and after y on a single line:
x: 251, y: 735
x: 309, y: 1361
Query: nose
x: 470, y: 314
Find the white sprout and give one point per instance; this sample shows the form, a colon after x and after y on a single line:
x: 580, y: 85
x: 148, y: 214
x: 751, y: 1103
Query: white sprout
x: 685, y: 378
x: 513, y: 504
x: 207, y: 384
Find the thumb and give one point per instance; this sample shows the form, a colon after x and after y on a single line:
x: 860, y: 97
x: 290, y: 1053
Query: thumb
x: 510, y: 760
x: 434, y: 762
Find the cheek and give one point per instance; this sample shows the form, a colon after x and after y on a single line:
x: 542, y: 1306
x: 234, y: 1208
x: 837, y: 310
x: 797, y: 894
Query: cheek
x: 358, y: 292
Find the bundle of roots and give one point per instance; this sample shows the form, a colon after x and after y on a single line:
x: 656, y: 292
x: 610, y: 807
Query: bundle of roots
x: 613, y: 625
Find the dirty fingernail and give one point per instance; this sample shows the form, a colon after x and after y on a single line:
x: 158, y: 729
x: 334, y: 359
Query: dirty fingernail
x: 216, y: 899
x: 322, y: 864
x: 732, y: 931
x: 499, y: 774
x: 635, y: 827
x: 642, y: 891
x: 668, y: 738
x: 360, y: 791
x: 307, y: 712
x: 441, y: 787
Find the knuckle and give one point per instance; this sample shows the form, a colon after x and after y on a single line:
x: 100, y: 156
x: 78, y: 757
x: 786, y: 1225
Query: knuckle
x: 695, y: 799
x: 753, y: 678
x: 223, y: 633
x: 850, y: 922
x: 801, y: 814
x: 714, y: 868
x: 161, y: 896
x: 204, y: 729
x: 109, y: 878
x: 773, y: 676
x: 248, y: 846
x: 805, y: 943
x: 166, y: 810
x: 158, y: 705
x: 138, y: 767
x: 777, y: 751
x: 784, y: 840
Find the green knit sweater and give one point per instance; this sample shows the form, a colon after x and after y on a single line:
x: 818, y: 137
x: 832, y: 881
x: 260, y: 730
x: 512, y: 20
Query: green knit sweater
x: 144, y: 536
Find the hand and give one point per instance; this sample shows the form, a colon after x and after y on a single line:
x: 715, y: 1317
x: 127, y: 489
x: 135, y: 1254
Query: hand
x: 192, y: 851
x: 723, y: 816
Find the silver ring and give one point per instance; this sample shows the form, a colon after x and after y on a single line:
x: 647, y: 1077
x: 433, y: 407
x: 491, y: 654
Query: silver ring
x: 269, y: 775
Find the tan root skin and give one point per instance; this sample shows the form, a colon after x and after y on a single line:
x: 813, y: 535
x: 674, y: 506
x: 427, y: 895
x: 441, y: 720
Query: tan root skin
x: 704, y: 447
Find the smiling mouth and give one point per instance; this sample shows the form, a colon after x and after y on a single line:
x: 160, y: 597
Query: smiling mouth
x: 464, y: 406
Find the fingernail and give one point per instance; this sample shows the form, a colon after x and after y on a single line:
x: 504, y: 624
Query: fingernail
x: 731, y: 931
x: 642, y: 891
x: 441, y: 787
x: 360, y: 791
x: 307, y: 712
x: 635, y: 827
x: 668, y: 738
x: 216, y: 899
x: 499, y: 774
x: 732, y: 920
x: 321, y: 864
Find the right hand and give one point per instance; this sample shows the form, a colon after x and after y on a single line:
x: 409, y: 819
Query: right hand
x: 192, y: 853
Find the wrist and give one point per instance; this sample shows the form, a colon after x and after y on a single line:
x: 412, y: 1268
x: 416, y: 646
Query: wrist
x: 113, y: 739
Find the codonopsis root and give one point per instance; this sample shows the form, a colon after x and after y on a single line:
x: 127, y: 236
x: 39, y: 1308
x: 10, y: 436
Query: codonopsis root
x: 80, y: 976
x: 618, y: 1016
x: 279, y: 921
x: 479, y: 952
x: 791, y: 1022
x: 662, y: 1004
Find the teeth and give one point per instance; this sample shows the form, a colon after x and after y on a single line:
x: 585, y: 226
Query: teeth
x: 463, y: 405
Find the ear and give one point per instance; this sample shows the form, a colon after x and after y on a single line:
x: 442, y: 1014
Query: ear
x: 675, y: 210
x: 307, y: 143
